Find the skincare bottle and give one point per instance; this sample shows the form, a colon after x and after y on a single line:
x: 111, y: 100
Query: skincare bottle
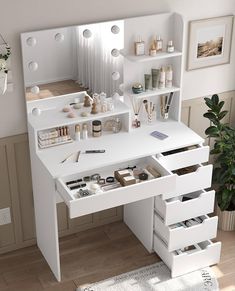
x: 139, y: 47
x: 84, y: 131
x: 170, y: 47
x: 159, y: 44
x: 155, y: 78
x: 162, y: 79
x: 77, y: 132
x: 147, y: 78
x: 152, y: 50
x: 169, y: 77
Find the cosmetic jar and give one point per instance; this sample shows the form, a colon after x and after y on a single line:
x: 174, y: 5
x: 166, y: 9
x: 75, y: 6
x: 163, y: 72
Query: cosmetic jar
x: 96, y: 128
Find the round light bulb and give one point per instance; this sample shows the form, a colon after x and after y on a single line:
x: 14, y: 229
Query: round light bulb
x: 33, y: 66
x: 31, y: 41
x: 121, y: 87
x: 87, y: 33
x: 59, y: 37
x: 36, y: 111
x: 35, y: 90
x: 115, y: 76
x: 115, y: 52
x: 115, y: 29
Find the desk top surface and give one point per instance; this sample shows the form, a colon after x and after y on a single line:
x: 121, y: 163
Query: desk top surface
x: 121, y: 147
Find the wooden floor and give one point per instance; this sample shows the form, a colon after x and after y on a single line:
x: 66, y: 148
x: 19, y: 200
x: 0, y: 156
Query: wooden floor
x: 94, y: 255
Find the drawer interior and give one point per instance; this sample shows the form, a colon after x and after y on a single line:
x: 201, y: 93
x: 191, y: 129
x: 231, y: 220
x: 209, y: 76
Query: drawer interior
x: 202, y: 246
x: 71, y: 185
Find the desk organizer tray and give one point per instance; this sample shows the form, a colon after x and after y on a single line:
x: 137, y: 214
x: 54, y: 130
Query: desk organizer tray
x: 178, y: 236
x: 205, y: 254
x: 119, y: 196
x: 184, y: 157
x: 175, y: 211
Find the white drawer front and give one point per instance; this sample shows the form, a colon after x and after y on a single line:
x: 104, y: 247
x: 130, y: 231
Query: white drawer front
x: 124, y: 195
x: 185, y: 158
x: 176, y: 211
x: 194, y: 181
x: 180, y: 237
x: 207, y: 254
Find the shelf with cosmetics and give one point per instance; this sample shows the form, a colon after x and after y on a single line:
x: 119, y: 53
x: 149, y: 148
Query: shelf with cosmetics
x: 151, y: 93
x: 148, y: 58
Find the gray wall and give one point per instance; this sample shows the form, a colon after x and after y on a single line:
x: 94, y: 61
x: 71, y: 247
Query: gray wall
x: 28, y: 15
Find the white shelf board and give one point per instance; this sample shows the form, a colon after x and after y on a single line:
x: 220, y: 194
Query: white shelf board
x: 54, y: 117
x: 151, y: 93
x: 147, y: 58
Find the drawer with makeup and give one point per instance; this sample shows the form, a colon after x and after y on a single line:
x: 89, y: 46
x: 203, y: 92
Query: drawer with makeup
x: 183, y: 234
x: 185, y: 207
x: 147, y: 178
x: 197, y: 256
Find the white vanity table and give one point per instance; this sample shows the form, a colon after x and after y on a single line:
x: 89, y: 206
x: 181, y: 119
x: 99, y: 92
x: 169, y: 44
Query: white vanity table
x: 149, y: 210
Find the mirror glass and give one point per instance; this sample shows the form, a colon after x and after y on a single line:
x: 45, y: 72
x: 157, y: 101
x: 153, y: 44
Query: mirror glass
x: 72, y: 59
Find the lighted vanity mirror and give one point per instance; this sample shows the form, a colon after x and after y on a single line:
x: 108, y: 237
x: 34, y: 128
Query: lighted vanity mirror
x: 73, y: 59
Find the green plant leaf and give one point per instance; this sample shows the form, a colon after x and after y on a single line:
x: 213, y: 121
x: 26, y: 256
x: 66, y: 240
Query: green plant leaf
x: 211, y: 130
x: 226, y: 199
x: 209, y: 102
x: 209, y: 115
x: 222, y: 114
x: 215, y: 99
x: 221, y: 104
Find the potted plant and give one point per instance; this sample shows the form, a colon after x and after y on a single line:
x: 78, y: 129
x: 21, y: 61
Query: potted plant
x: 3, y: 68
x: 224, y: 167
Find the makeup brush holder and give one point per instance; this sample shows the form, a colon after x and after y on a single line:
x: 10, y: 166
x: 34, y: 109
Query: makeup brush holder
x: 164, y: 114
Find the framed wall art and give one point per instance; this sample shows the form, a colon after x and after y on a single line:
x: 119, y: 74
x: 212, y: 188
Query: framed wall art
x: 209, y: 42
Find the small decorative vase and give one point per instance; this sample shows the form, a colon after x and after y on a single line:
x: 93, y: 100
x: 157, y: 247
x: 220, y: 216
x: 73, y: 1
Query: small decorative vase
x: 226, y: 220
x: 3, y: 82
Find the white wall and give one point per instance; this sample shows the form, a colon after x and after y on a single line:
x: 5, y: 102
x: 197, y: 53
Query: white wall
x: 28, y: 15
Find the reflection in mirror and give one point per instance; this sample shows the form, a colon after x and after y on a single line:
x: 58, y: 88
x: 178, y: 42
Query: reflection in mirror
x: 87, y: 58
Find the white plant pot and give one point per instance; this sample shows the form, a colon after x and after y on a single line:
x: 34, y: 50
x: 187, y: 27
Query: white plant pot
x: 226, y: 220
x: 3, y: 82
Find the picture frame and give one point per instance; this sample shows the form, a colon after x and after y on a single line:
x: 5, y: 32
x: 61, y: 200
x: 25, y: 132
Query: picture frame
x: 209, y: 42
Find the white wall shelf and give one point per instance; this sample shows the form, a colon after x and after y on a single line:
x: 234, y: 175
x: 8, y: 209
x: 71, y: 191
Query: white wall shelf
x: 147, y: 58
x: 151, y: 93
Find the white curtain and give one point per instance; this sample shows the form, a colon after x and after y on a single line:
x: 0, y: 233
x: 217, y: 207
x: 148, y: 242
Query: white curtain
x: 95, y: 64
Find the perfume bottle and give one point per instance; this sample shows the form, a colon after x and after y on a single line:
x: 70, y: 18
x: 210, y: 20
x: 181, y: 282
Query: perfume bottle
x: 170, y: 47
x: 159, y: 44
x: 152, y: 50
x: 139, y: 47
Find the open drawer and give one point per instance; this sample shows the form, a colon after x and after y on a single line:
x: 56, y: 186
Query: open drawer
x: 204, y: 254
x: 119, y: 196
x: 184, y: 157
x: 197, y: 204
x: 189, y: 179
x: 181, y: 235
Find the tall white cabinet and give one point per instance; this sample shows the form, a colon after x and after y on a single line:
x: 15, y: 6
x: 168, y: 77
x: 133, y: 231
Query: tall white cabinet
x: 153, y: 209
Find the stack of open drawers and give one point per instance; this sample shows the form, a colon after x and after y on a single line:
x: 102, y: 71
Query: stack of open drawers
x: 186, y: 248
